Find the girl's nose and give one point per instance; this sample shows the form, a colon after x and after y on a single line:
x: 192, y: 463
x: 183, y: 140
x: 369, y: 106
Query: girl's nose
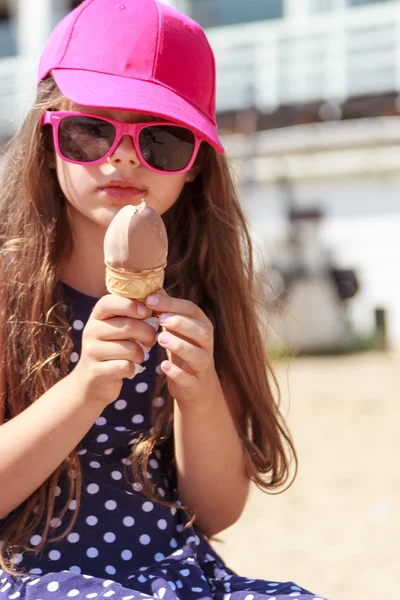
x: 125, y: 152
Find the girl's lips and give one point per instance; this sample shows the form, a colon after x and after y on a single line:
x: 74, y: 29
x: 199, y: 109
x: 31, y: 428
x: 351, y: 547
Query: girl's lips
x: 123, y: 193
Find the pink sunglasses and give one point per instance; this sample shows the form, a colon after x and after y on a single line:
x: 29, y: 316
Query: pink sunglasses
x: 83, y: 139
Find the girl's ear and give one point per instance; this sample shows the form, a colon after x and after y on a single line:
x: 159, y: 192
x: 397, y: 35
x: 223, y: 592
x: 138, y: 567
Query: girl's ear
x: 193, y: 174
x: 49, y: 148
x: 51, y: 160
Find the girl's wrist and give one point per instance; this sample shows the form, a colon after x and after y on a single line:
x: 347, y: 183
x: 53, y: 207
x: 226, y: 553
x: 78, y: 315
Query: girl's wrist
x: 205, y: 401
x: 87, y: 393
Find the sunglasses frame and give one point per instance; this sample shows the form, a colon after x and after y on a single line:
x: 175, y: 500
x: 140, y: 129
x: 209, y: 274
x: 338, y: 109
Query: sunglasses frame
x: 54, y: 118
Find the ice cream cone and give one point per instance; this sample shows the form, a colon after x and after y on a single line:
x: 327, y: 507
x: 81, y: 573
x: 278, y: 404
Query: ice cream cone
x: 135, y: 285
x: 135, y: 254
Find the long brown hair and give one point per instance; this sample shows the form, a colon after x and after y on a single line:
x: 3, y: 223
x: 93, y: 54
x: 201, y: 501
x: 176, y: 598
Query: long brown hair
x: 210, y: 263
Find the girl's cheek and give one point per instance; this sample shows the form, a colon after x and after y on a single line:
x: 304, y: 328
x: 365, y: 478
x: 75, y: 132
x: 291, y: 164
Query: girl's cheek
x: 163, y: 195
x: 73, y: 179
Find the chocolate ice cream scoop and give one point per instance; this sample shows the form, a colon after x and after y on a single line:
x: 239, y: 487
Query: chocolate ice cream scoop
x: 135, y: 253
x: 136, y: 240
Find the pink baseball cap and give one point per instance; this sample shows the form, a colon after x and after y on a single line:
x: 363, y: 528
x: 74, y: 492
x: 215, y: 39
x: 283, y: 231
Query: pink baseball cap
x: 137, y: 55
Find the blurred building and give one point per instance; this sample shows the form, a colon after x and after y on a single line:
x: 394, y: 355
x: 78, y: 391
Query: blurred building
x: 309, y: 95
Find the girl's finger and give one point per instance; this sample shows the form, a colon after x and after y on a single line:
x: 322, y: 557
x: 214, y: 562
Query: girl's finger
x: 197, y: 358
x: 111, y: 306
x: 123, y: 328
x: 162, y: 303
x: 181, y: 378
x: 197, y: 332
x: 122, y: 368
x: 122, y: 350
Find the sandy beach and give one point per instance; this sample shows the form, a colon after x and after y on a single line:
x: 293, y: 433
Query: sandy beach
x: 336, y: 531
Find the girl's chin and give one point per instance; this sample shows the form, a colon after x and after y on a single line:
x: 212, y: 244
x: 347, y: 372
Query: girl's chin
x: 99, y: 217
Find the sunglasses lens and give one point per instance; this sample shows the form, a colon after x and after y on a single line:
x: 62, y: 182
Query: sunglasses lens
x: 167, y: 147
x: 85, y: 139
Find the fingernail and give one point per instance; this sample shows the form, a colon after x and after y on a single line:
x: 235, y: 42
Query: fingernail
x: 164, y: 317
x: 166, y: 366
x: 142, y: 310
x: 138, y: 371
x: 145, y: 349
x: 154, y: 322
x: 152, y: 301
x: 164, y: 339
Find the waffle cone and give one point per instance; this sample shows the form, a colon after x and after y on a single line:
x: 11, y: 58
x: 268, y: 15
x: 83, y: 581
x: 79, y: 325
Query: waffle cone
x: 135, y: 285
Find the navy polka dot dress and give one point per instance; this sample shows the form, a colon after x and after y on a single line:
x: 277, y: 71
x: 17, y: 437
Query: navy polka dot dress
x: 124, y: 546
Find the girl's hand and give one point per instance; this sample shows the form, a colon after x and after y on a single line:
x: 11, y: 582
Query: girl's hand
x: 109, y: 348
x: 188, y: 337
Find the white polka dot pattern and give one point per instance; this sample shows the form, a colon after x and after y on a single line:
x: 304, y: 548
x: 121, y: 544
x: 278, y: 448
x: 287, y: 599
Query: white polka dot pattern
x: 111, y: 570
x: 120, y: 404
x: 145, y: 539
x: 75, y: 569
x: 123, y: 545
x: 56, y: 522
x: 137, y: 419
x: 147, y: 506
x: 35, y: 540
x: 142, y: 387
x: 92, y: 488
x: 53, y: 586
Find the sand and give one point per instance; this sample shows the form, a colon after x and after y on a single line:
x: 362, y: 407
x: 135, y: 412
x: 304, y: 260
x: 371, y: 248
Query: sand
x: 336, y: 531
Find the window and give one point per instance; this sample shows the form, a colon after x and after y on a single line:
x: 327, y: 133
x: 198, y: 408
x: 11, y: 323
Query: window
x: 212, y: 13
x: 8, y: 41
x: 361, y: 2
x: 317, y: 6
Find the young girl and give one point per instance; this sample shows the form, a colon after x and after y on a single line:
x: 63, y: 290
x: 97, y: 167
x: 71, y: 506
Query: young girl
x: 111, y: 486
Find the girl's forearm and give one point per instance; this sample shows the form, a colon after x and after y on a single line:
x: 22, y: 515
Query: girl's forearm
x: 210, y: 461
x: 34, y: 443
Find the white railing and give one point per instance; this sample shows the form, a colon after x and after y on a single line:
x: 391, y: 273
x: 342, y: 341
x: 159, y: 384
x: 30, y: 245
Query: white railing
x: 17, y: 92
x: 326, y: 56
x: 335, y: 149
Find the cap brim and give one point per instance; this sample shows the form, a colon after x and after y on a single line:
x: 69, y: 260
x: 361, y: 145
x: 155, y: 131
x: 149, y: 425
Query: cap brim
x: 101, y: 90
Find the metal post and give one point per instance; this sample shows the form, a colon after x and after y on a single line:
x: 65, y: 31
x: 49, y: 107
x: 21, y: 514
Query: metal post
x: 381, y: 328
x: 34, y: 24
x: 59, y: 9
x: 181, y: 5
x: 293, y: 9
